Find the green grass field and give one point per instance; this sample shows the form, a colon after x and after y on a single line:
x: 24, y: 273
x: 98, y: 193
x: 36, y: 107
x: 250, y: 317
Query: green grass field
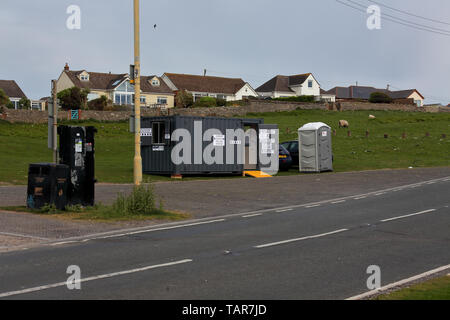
x: 434, y: 289
x: 21, y: 144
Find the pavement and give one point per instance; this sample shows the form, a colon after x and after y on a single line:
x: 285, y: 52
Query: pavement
x: 313, y: 246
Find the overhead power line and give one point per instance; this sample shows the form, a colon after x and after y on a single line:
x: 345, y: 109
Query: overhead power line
x: 408, y: 24
x: 409, y: 13
x: 403, y: 20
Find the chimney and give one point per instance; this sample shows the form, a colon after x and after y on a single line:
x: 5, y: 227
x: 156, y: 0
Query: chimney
x: 66, y: 67
x: 387, y: 88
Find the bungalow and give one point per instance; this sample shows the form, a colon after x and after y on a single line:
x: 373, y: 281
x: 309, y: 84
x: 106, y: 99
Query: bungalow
x: 363, y: 93
x: 290, y: 86
x: 117, y: 87
x: 13, y: 91
x: 229, y: 89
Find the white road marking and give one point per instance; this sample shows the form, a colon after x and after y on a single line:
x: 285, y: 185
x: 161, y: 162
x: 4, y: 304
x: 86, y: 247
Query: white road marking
x: 340, y: 201
x: 431, y: 182
x: 399, y: 283
x: 312, y: 206
x: 408, y: 215
x: 359, y: 198
x: 103, y: 276
x: 380, y: 193
x: 63, y: 242
x: 160, y: 229
x: 284, y: 210
x: 252, y: 215
x: 299, y: 239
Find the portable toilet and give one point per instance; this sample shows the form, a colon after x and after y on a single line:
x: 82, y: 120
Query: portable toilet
x: 315, y: 153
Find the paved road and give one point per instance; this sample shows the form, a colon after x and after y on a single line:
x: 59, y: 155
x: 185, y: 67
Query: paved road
x: 311, y: 251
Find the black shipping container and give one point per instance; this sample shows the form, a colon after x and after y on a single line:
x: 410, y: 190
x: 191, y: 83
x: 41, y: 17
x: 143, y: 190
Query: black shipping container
x: 76, y: 150
x: 47, y: 185
x: 157, y: 145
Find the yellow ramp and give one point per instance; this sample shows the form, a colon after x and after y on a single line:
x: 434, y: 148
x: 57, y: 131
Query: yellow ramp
x: 257, y: 174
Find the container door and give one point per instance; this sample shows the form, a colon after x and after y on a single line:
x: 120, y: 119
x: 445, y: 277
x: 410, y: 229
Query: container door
x: 268, y: 148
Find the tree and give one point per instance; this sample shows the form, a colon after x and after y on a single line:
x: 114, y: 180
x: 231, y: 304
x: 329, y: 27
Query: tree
x: 4, y: 99
x: 24, y: 103
x: 73, y: 98
x: 379, y: 97
x: 184, y: 99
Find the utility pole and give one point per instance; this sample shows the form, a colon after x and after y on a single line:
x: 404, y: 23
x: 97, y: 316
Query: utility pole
x: 137, y: 99
x: 55, y: 121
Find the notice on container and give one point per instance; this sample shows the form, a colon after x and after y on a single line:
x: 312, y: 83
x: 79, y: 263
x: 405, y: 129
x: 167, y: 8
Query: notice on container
x: 267, y: 143
x: 218, y: 140
x: 324, y: 133
x: 158, y: 148
x: 146, y: 132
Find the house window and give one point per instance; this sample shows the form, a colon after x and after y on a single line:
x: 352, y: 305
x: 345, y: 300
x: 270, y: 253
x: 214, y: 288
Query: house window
x: 162, y: 100
x: 123, y: 98
x: 155, y: 82
x: 84, y: 77
x: 143, y: 99
x: 221, y: 96
x: 158, y: 130
x: 310, y: 84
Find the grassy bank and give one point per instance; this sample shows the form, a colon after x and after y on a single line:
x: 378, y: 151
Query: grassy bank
x: 21, y: 144
x: 434, y: 289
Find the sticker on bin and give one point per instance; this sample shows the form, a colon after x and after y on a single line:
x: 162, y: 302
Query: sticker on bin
x: 146, y: 132
x: 324, y: 133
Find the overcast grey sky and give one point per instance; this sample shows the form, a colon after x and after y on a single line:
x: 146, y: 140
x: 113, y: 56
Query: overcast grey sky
x: 251, y: 39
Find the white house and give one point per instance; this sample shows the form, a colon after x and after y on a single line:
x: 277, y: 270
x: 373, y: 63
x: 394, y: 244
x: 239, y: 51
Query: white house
x: 229, y: 89
x: 290, y: 86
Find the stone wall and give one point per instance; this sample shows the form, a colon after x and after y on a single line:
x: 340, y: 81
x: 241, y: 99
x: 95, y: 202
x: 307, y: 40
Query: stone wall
x: 256, y: 106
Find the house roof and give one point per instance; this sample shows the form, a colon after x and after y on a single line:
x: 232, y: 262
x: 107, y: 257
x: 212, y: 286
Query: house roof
x: 195, y: 83
x: 12, y: 89
x: 146, y: 85
x: 282, y: 83
x: 361, y: 92
x: 109, y: 81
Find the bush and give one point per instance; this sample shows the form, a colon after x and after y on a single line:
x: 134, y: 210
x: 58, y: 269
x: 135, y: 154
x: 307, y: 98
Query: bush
x: 140, y: 202
x: 24, y: 103
x: 4, y: 99
x: 73, y: 98
x: 379, y: 97
x: 296, y: 99
x: 221, y: 102
x: 184, y: 99
x: 101, y: 104
x: 206, y: 102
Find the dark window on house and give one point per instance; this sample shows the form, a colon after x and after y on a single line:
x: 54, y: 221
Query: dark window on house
x: 158, y: 131
x: 310, y: 84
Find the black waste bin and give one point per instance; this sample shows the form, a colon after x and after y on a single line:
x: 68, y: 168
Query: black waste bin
x: 47, y: 185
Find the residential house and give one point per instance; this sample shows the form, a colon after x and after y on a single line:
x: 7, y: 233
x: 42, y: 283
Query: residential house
x: 363, y: 93
x: 291, y: 86
x: 229, y: 89
x: 117, y: 87
x: 13, y: 91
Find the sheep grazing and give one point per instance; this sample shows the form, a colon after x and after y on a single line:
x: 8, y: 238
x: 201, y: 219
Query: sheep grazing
x: 343, y: 124
x: 371, y: 116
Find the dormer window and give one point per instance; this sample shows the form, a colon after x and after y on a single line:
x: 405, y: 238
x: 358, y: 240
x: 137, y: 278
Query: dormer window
x: 155, y: 82
x: 84, y: 77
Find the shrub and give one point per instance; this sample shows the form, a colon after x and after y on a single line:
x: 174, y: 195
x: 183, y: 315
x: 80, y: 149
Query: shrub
x: 296, y: 99
x: 221, y: 102
x: 379, y: 97
x: 140, y: 202
x: 205, y: 102
x: 4, y: 99
x: 24, y: 103
x: 101, y: 103
x: 184, y: 99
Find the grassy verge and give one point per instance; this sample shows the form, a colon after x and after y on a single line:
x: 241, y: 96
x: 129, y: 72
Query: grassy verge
x: 434, y: 289
x: 139, y: 205
x: 422, y: 145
